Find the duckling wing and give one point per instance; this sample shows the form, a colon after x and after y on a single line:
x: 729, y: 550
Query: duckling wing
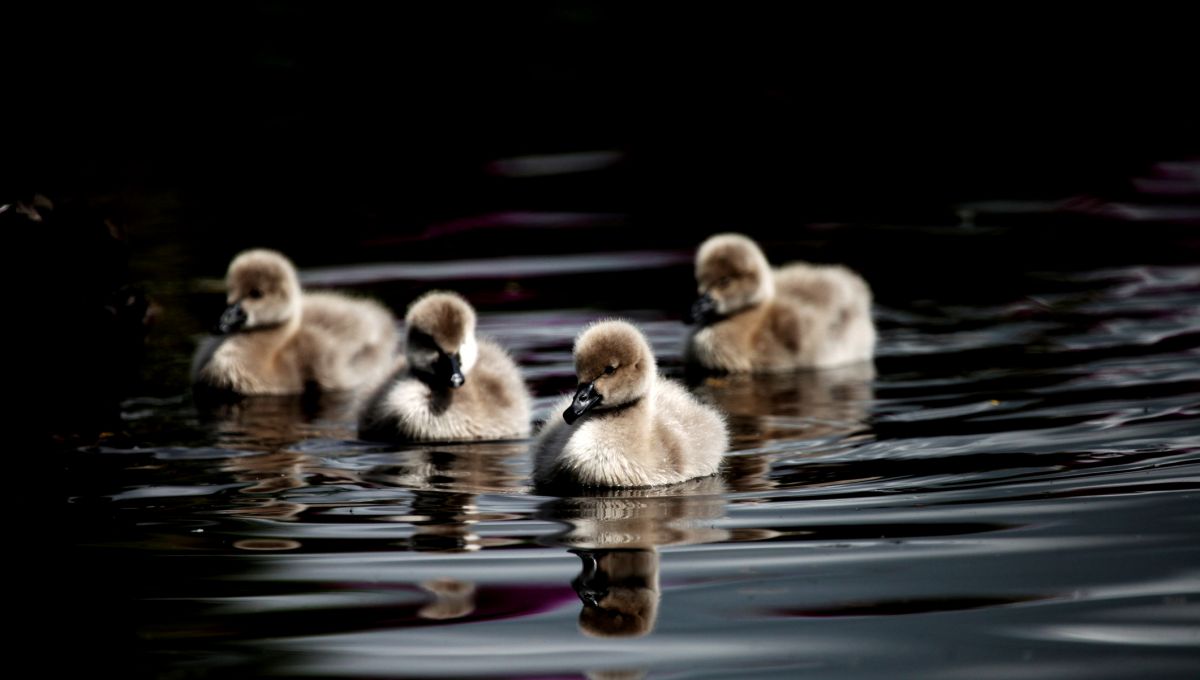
x: 347, y: 342
x: 504, y: 400
x: 351, y: 320
x: 692, y: 435
x: 830, y: 287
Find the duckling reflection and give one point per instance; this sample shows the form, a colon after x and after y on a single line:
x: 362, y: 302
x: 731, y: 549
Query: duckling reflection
x: 446, y: 483
x: 616, y: 535
x: 272, y: 474
x: 465, y: 468
x: 804, y: 404
x: 452, y: 599
x: 619, y: 590
x: 269, y: 423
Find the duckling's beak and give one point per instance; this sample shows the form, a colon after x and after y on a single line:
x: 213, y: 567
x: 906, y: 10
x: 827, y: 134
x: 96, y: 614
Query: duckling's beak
x: 585, y: 398
x: 591, y: 585
x: 451, y: 371
x: 232, y: 319
x: 703, y: 310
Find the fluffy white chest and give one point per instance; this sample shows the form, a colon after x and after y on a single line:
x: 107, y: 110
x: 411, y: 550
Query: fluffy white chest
x: 413, y: 402
x: 608, y: 456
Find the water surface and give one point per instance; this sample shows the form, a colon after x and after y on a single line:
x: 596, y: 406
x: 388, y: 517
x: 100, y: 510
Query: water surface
x: 1012, y: 489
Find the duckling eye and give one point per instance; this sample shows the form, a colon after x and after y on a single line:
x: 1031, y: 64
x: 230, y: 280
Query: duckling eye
x: 255, y: 293
x: 609, y: 370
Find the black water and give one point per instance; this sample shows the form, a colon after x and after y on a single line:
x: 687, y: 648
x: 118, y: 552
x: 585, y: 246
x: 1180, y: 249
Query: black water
x: 1012, y: 489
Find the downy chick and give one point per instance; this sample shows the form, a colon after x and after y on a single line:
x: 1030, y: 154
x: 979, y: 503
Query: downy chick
x: 279, y: 339
x: 626, y: 426
x: 453, y: 386
x: 755, y: 319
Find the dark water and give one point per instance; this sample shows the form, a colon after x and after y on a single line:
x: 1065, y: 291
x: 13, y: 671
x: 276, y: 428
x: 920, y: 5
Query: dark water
x: 1011, y: 490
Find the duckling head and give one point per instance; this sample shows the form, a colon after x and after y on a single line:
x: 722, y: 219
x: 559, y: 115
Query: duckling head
x: 615, y: 367
x: 732, y: 274
x: 441, y: 338
x: 263, y: 292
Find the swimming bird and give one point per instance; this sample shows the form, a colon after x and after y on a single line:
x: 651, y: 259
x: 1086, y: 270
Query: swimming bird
x: 279, y: 339
x: 452, y: 386
x: 755, y: 319
x: 625, y: 426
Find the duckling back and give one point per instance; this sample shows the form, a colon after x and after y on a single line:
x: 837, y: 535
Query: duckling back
x: 836, y: 305
x: 346, y: 342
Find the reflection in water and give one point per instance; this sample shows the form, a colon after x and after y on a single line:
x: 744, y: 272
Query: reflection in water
x: 266, y: 544
x: 268, y: 423
x: 678, y: 514
x: 453, y: 599
x: 619, y: 589
x: 1014, y: 496
x: 269, y: 474
x: 445, y: 483
x: 468, y: 468
x: 616, y: 675
x: 616, y: 533
x: 803, y: 406
x: 271, y: 424
x: 800, y: 404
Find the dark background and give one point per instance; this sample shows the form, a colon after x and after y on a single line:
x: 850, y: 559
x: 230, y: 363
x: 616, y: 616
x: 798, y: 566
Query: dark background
x: 287, y: 116
x: 350, y: 133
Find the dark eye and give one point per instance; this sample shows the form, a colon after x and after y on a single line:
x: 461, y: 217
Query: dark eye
x: 254, y: 293
x: 722, y: 282
x: 609, y: 370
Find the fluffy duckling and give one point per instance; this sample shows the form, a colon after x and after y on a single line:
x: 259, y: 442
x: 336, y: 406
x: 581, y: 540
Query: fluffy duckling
x: 453, y: 386
x: 755, y: 319
x: 626, y: 427
x: 279, y: 339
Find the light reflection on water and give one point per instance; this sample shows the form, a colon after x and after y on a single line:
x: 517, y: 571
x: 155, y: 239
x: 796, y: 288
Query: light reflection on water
x: 1010, y: 491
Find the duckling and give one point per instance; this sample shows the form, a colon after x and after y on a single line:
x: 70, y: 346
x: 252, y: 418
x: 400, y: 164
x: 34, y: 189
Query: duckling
x: 755, y: 319
x: 625, y: 426
x: 279, y: 339
x: 453, y: 387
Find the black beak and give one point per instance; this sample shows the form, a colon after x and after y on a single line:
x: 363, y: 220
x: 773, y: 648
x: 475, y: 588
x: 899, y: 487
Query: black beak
x: 703, y: 310
x: 232, y: 319
x: 449, y: 370
x: 591, y: 585
x: 585, y: 398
